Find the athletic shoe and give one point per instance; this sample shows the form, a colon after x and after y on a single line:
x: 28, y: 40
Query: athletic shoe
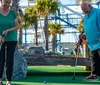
x: 91, y: 77
x: 8, y: 83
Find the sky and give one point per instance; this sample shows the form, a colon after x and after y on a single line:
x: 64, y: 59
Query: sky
x: 24, y: 2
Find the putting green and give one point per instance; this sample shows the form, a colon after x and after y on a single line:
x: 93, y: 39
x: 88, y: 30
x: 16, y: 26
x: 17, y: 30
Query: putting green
x: 55, y: 80
x: 51, y: 79
x: 33, y: 69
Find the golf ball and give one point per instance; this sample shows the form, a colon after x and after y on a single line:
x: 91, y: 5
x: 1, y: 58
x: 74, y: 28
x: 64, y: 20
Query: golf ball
x: 44, y: 82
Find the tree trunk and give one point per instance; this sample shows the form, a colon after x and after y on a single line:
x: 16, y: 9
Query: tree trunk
x: 20, y: 37
x: 46, y: 32
x: 53, y: 43
x: 25, y: 38
x: 36, y: 36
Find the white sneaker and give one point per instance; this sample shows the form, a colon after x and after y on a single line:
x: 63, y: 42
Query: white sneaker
x: 91, y: 77
x: 8, y: 83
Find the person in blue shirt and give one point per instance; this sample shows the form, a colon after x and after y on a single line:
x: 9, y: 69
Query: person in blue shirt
x: 92, y: 31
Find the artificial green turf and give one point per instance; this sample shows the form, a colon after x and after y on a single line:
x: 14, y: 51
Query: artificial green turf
x: 52, y: 79
x: 33, y: 69
x: 55, y: 80
x: 56, y: 71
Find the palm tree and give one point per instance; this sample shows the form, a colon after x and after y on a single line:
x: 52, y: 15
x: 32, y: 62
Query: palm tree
x: 31, y: 11
x: 20, y: 20
x: 44, y: 8
x: 20, y: 30
x: 55, y: 29
x: 25, y: 24
x: 80, y: 26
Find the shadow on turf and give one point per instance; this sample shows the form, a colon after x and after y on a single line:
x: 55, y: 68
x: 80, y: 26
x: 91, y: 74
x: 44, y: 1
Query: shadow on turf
x: 57, y: 73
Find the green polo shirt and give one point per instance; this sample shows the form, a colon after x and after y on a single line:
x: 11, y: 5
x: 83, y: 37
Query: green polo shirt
x: 7, y: 22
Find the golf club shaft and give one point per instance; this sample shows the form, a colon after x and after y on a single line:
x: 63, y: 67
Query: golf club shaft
x: 77, y: 55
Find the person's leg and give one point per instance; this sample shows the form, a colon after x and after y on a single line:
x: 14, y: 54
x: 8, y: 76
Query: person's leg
x: 99, y: 62
x: 95, y: 62
x: 94, y: 65
x: 2, y: 60
x: 10, y: 59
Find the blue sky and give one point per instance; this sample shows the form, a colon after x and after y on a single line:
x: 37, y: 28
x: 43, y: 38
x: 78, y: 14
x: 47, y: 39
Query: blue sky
x: 24, y: 2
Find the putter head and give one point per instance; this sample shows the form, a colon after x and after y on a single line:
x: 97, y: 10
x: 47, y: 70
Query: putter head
x: 73, y: 78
